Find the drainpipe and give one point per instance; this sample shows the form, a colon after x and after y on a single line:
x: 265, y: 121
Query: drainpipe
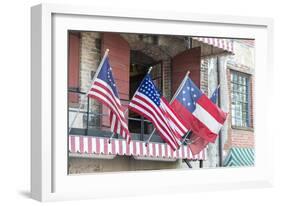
x: 220, y: 147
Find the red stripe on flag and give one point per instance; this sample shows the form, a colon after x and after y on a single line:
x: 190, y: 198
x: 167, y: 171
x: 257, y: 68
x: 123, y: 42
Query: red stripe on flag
x: 98, y: 84
x: 150, y: 110
x: 113, y: 105
x: 212, y: 109
x: 197, y: 126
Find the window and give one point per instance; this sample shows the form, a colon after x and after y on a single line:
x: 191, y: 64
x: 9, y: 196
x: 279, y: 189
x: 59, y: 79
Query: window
x: 73, y: 63
x: 240, y: 101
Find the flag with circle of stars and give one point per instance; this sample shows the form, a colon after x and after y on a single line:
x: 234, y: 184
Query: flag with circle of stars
x: 106, y: 76
x: 104, y: 90
x: 189, y: 95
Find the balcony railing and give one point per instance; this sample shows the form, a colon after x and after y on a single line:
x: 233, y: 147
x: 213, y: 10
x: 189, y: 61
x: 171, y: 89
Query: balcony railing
x: 89, y: 119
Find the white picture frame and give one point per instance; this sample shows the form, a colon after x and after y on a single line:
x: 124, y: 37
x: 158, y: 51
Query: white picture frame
x: 49, y: 179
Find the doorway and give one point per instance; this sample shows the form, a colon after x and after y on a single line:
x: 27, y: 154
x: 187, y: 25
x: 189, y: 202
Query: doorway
x: 139, y: 66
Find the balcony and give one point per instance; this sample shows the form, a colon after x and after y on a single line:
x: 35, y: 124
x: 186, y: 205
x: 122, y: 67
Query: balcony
x: 89, y: 138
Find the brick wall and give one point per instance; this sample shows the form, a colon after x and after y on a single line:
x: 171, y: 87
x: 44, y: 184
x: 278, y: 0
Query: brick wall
x: 167, y: 70
x: 241, y: 137
x: 204, y: 75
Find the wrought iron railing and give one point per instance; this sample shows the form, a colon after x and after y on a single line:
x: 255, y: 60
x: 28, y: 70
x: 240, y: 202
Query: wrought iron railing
x: 89, y: 119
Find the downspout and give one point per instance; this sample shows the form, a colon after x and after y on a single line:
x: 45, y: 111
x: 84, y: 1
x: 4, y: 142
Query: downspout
x: 220, y: 146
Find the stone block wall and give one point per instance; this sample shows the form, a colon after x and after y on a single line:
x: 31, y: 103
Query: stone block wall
x: 90, y: 57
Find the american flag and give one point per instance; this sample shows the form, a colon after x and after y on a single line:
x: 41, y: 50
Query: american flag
x: 148, y: 102
x: 104, y: 89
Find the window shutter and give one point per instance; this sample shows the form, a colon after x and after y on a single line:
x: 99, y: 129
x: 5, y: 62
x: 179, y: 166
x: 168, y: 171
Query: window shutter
x: 73, y: 64
x: 184, y: 61
x: 119, y: 57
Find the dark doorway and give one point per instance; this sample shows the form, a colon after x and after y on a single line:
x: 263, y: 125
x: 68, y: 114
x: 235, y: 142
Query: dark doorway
x: 140, y: 64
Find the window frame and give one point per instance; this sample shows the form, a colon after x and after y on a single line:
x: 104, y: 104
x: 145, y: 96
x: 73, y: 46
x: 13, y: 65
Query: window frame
x: 248, y: 99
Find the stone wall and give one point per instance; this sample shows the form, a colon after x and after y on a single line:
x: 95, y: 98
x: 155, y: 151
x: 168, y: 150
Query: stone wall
x: 242, y: 61
x: 89, y: 62
x: 124, y: 163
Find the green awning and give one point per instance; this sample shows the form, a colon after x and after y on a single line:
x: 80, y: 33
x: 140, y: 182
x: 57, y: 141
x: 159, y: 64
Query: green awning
x: 238, y: 156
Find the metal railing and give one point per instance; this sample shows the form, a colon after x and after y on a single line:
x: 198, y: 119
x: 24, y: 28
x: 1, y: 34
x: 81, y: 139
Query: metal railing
x: 90, y: 120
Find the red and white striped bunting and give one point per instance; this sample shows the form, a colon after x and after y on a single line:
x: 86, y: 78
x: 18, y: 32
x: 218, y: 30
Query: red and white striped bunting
x: 225, y: 44
x: 101, y: 146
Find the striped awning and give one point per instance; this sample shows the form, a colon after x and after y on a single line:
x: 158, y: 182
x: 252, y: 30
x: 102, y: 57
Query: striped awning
x: 240, y: 157
x: 224, y: 44
x: 99, y: 147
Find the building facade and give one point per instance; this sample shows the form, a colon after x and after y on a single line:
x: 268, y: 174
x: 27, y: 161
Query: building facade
x: 211, y: 62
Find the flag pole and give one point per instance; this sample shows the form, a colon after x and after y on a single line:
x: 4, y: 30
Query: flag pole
x: 172, y: 100
x: 180, y: 87
x: 149, y: 70
x: 112, y: 135
x: 86, y: 95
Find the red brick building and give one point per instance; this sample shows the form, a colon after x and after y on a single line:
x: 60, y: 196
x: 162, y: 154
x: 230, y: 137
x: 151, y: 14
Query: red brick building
x: 210, y: 62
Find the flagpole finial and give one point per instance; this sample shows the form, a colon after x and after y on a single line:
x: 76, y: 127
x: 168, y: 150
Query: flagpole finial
x: 150, y: 68
x: 187, y: 73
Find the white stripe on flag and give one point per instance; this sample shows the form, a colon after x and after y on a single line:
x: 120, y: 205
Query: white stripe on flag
x: 109, y: 88
x: 207, y: 119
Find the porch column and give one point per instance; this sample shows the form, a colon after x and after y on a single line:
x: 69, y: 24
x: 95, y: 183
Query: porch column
x: 225, y: 94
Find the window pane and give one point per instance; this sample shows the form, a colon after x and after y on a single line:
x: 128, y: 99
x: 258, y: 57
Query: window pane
x: 239, y: 98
